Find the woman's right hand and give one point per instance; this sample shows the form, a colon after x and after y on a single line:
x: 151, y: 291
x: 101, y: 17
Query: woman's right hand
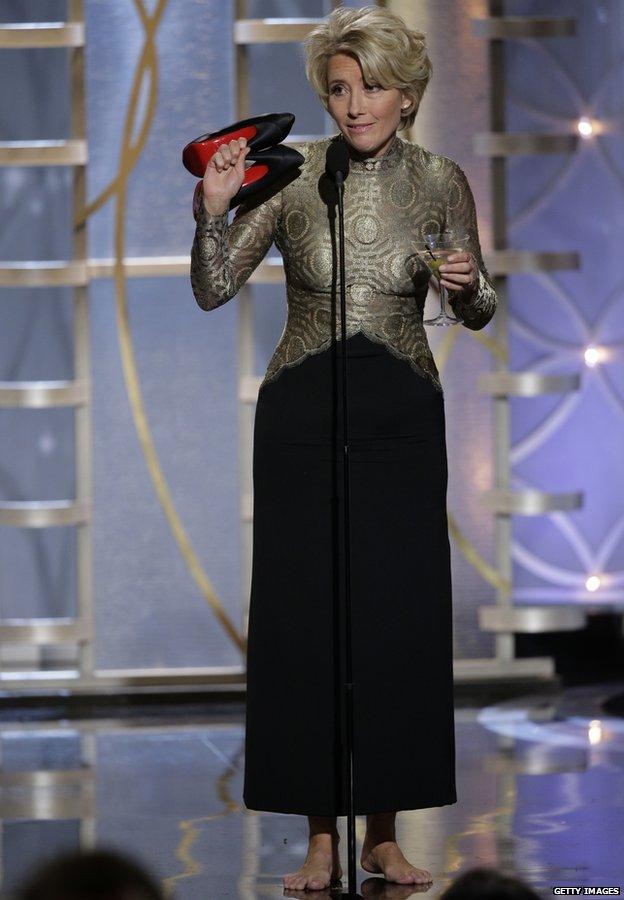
x: 224, y: 175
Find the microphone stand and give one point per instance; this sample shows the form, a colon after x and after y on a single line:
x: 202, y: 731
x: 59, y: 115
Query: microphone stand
x: 349, y: 685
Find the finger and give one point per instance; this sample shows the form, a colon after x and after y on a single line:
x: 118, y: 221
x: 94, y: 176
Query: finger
x: 226, y: 153
x: 218, y: 161
x: 460, y: 259
x: 229, y: 153
x: 458, y: 276
x: 221, y: 159
x: 454, y: 278
x: 239, y: 166
x: 234, y: 150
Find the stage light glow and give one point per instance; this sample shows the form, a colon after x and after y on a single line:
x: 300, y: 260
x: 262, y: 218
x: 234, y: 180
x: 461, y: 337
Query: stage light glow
x: 585, y: 127
x: 594, y: 731
x: 594, y: 355
x: 592, y: 583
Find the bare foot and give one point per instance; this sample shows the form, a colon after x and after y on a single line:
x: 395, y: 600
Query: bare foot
x: 321, y: 866
x: 387, y: 858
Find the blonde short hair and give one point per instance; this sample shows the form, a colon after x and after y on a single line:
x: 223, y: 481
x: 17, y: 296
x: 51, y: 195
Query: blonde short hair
x: 389, y: 53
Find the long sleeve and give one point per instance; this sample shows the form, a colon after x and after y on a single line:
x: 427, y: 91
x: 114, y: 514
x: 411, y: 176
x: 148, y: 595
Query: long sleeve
x: 224, y: 256
x: 477, y: 309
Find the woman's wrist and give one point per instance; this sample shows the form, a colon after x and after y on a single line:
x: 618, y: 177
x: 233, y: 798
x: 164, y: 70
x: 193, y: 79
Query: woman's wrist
x: 212, y: 211
x: 469, y: 293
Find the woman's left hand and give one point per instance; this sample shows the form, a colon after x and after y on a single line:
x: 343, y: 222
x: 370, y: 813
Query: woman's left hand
x: 460, y: 273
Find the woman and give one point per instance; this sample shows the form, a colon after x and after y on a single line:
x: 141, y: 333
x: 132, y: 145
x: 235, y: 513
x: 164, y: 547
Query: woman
x: 370, y: 72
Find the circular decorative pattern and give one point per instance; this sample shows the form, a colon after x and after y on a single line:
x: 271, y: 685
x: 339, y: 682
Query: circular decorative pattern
x: 361, y: 293
x: 402, y: 267
x: 432, y: 161
x: 297, y: 223
x: 366, y: 229
x: 209, y: 247
x: 430, y: 226
x: 320, y: 262
x: 402, y: 193
x: 454, y: 194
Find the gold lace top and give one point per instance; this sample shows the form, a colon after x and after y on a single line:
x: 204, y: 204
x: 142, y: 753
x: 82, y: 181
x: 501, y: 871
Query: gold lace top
x: 389, y: 204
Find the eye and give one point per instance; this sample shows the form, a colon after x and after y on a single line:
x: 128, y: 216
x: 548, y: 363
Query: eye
x: 335, y: 89
x: 373, y: 87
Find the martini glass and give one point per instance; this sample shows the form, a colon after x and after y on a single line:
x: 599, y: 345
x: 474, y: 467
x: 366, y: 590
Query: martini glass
x: 434, y: 251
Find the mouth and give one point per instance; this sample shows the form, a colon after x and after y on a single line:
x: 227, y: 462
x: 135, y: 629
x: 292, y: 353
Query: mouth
x: 360, y: 129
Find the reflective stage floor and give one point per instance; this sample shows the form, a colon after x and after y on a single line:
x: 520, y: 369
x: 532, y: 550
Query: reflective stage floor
x: 540, y: 795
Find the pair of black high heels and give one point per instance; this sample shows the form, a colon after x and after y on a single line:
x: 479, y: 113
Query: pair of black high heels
x: 270, y: 160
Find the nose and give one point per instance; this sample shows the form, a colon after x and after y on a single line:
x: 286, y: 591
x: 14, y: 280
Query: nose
x: 356, y: 104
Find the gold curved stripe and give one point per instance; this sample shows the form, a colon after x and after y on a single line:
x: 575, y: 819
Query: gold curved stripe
x: 495, y: 347
x: 129, y: 154
x: 485, y: 570
x: 190, y: 831
x: 147, y: 60
x: 443, y: 350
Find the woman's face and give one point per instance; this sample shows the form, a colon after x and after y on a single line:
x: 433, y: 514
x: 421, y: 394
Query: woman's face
x: 354, y: 103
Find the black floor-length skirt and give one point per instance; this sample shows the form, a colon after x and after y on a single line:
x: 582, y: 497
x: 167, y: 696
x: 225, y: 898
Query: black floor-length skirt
x: 400, y: 576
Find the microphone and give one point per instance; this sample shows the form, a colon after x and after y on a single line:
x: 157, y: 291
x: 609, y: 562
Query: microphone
x: 336, y: 170
x: 337, y: 161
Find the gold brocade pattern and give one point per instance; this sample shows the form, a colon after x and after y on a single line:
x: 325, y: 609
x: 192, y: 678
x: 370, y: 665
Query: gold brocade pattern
x: 389, y: 204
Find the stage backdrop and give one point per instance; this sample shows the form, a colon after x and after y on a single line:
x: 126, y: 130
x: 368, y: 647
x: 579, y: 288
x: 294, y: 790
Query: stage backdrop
x: 575, y: 441
x: 148, y: 609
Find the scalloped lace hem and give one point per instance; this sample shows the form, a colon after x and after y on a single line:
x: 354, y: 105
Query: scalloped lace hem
x: 313, y: 351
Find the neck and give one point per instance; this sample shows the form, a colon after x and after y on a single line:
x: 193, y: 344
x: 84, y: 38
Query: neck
x: 360, y: 155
